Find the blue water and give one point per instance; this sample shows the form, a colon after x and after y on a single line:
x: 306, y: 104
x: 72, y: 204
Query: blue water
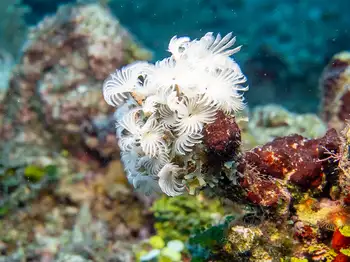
x: 286, y: 43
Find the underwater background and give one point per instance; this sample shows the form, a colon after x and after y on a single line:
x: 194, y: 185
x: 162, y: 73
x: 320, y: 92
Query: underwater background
x: 274, y: 179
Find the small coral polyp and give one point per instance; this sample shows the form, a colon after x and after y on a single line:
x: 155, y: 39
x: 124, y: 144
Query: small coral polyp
x: 164, y: 107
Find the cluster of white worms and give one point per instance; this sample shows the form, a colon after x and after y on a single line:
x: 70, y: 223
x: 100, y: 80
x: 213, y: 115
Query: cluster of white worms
x: 163, y: 108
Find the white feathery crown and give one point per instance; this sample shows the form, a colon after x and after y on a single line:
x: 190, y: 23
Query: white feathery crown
x: 165, y: 107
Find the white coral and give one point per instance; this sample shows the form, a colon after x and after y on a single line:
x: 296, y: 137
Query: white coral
x: 148, y: 134
x: 169, y: 180
x: 169, y: 104
x: 192, y: 115
x: 177, y: 46
x: 185, y: 142
x: 122, y: 82
x: 153, y: 165
x: 118, y: 85
x: 151, y: 138
x: 229, y: 98
x: 146, y: 184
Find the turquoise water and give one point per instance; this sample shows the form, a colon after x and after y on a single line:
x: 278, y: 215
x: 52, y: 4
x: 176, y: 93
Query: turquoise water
x: 286, y: 42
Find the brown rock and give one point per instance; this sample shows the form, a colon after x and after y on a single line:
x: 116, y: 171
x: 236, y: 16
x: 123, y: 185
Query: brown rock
x: 295, y: 158
x: 223, y: 137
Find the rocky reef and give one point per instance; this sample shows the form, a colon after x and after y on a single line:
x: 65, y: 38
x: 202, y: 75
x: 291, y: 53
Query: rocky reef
x: 263, y: 184
x: 58, y: 148
x: 79, y: 46
x: 292, y: 198
x: 334, y: 85
x: 271, y: 121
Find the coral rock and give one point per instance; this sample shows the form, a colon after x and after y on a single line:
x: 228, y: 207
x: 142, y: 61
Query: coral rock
x: 340, y: 241
x: 243, y: 238
x: 270, y: 121
x: 304, y: 232
x: 265, y: 193
x: 295, y: 158
x: 56, y: 88
x: 223, y: 136
x: 334, y: 84
x: 341, y: 258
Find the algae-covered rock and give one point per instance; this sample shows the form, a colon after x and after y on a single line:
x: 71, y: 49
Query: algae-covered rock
x: 177, y: 218
x: 54, y: 97
x: 271, y: 121
x: 57, y: 140
x: 335, y: 92
x: 243, y: 238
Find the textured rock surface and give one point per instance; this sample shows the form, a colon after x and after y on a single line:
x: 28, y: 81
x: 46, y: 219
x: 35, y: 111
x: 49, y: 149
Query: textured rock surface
x: 335, y: 88
x: 53, y: 114
x: 223, y: 136
x: 56, y: 88
x: 295, y: 158
x: 270, y: 121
